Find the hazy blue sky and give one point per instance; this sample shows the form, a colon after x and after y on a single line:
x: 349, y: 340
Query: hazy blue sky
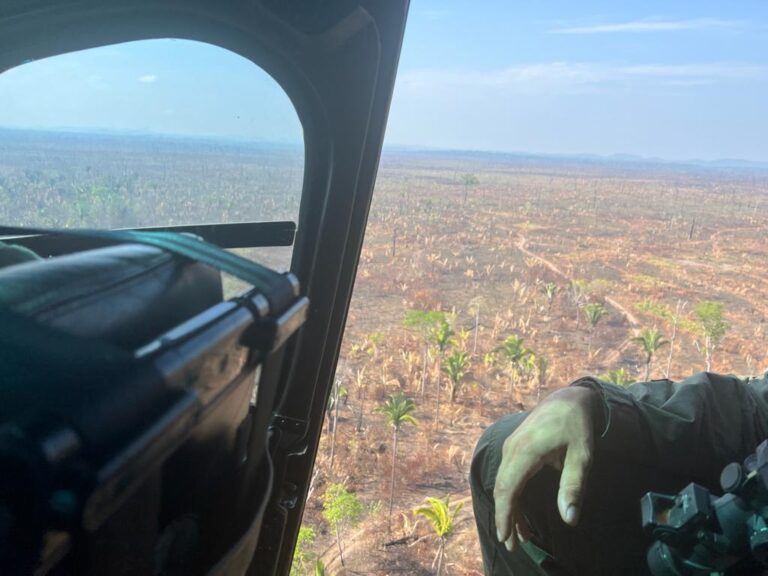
x: 678, y: 80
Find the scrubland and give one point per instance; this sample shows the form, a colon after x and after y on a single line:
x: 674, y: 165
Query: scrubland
x: 485, y: 282
x: 540, y: 271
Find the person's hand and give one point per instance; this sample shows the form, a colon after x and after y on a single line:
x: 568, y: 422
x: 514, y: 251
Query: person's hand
x: 560, y: 433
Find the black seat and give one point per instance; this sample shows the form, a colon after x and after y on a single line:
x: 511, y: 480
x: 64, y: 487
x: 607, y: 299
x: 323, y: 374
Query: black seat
x: 126, y: 295
x: 164, y: 452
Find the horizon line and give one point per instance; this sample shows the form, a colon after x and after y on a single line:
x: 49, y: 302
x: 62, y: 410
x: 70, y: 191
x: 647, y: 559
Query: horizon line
x: 613, y: 156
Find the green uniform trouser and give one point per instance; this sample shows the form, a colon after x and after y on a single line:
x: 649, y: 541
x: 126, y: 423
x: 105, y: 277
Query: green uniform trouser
x: 608, y: 539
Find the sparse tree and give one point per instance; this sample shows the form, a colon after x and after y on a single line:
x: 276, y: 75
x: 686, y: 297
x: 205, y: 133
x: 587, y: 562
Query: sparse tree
x: 341, y: 509
x: 423, y: 323
x: 578, y: 295
x: 550, y: 290
x: 361, y: 383
x: 301, y: 554
x: 367, y: 349
x: 468, y: 180
x: 442, y: 517
x: 528, y: 366
x: 593, y: 312
x: 398, y: 410
x: 456, y: 366
x: 334, y: 401
x: 463, y: 336
x: 474, y: 308
x: 513, y: 352
x: 441, y: 336
x: 710, y: 318
x: 650, y: 340
x: 675, y: 321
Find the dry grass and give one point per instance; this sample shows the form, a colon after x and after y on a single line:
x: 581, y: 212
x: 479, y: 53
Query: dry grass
x: 622, y: 233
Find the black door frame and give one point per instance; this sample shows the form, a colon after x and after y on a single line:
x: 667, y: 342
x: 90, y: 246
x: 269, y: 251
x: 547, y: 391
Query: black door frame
x: 336, y: 61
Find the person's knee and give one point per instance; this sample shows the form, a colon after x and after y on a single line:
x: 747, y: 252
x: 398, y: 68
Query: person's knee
x: 487, y: 455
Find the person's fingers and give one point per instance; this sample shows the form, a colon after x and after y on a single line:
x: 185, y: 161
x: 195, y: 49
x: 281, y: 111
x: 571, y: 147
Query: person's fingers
x: 523, y: 528
x: 578, y: 460
x: 520, y: 533
x: 511, y: 543
x: 516, y: 469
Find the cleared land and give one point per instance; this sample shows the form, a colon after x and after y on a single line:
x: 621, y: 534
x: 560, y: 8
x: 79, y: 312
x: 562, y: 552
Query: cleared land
x: 503, y: 248
x: 647, y: 242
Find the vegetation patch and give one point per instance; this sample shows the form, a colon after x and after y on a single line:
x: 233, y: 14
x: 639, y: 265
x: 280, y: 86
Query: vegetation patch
x: 647, y: 282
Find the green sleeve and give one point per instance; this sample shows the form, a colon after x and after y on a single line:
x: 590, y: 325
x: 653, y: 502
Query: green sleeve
x: 693, y: 427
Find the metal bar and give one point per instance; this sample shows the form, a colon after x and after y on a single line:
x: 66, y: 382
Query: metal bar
x: 238, y: 235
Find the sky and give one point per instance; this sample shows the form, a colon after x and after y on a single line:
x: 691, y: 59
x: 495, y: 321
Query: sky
x: 675, y: 80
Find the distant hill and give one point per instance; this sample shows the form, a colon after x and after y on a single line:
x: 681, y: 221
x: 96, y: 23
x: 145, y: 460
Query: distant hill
x: 136, y: 138
x: 621, y: 161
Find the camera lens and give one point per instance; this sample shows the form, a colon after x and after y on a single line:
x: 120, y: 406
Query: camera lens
x: 662, y: 561
x: 731, y: 477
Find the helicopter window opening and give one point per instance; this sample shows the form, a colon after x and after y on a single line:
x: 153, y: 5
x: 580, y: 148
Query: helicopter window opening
x: 149, y: 133
x: 572, y: 190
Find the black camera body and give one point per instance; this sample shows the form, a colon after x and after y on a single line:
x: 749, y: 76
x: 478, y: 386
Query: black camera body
x: 696, y: 532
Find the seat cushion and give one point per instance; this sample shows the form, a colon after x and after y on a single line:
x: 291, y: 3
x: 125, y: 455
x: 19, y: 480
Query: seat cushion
x: 127, y: 294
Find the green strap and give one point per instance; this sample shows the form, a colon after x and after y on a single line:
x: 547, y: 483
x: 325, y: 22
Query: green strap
x: 276, y: 287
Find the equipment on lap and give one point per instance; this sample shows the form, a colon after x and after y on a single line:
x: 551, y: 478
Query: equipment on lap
x: 135, y: 404
x: 698, y: 533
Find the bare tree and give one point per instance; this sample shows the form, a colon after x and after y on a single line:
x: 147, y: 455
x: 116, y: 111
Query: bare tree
x: 474, y: 308
x: 337, y: 393
x: 675, y: 321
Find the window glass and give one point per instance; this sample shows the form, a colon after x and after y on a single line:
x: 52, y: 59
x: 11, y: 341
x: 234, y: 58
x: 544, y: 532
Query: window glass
x: 150, y: 133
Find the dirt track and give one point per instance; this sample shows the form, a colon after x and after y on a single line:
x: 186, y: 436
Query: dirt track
x: 630, y: 318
